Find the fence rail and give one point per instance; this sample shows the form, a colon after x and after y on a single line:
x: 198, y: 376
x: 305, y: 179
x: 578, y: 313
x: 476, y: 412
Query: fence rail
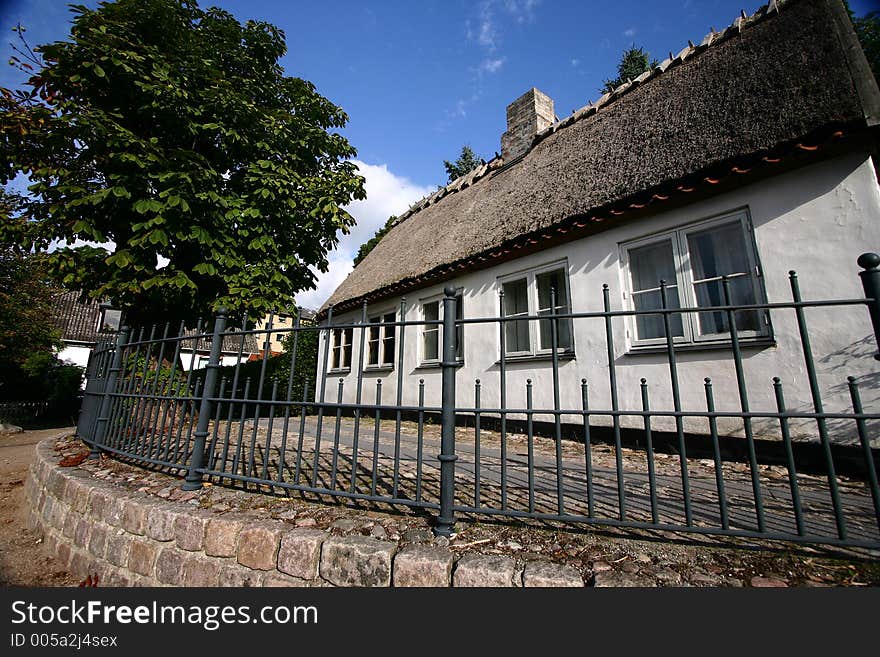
x: 590, y: 450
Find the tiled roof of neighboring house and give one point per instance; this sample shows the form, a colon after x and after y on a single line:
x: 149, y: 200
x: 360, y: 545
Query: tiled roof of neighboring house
x: 78, y: 320
x: 771, y: 90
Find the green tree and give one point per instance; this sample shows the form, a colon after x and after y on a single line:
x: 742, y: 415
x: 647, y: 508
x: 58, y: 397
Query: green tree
x: 466, y: 162
x: 867, y: 29
x: 160, y: 131
x: 371, y: 243
x: 26, y: 324
x: 633, y: 63
x: 29, y: 367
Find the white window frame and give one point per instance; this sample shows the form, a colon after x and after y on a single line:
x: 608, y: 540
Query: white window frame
x: 335, y: 343
x: 382, y: 329
x: 459, y: 308
x: 685, y: 282
x: 531, y: 277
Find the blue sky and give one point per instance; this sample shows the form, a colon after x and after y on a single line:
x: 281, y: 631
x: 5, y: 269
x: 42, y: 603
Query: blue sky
x: 420, y: 79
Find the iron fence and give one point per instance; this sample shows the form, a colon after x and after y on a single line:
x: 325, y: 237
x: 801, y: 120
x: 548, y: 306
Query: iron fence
x: 807, y: 473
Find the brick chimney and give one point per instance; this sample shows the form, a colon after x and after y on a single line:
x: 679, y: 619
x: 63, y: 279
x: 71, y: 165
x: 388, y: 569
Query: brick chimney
x: 526, y: 117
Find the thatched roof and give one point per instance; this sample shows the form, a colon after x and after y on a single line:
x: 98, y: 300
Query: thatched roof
x: 775, y: 84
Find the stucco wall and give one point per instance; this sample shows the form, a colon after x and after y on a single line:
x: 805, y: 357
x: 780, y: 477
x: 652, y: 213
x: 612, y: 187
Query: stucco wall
x: 815, y: 220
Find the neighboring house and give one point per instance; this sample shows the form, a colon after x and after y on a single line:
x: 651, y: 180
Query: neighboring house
x: 85, y: 323
x: 747, y: 155
x: 277, y: 334
x: 82, y: 324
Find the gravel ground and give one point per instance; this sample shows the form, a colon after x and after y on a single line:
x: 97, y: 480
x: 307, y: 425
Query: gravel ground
x: 24, y: 561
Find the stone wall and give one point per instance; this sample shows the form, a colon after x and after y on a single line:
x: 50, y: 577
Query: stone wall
x: 134, y: 539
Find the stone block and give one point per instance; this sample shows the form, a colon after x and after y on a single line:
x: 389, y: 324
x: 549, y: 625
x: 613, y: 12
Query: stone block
x: 189, y: 531
x: 201, y: 571
x: 70, y: 522
x: 114, y: 510
x: 142, y: 556
x: 481, y: 570
x: 543, y: 574
x: 357, y: 561
x: 300, y: 553
x: 62, y: 553
x: 98, y: 539
x: 232, y: 574
x: 81, y: 534
x: 258, y: 545
x: 160, y: 522
x: 134, y: 516
x: 221, y: 536
x: 56, y: 483
x: 117, y: 548
x: 99, y: 500
x: 169, y: 565
x: 423, y: 565
x: 281, y: 580
x: 78, y: 494
x: 610, y: 578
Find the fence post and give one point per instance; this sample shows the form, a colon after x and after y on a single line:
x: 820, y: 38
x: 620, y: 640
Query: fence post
x: 109, y: 389
x: 193, y: 476
x: 447, y: 457
x: 871, y: 284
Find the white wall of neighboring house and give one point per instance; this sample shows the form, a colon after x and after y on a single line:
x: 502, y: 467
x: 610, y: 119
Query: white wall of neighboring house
x: 75, y: 354
x: 816, y: 220
x: 201, y: 359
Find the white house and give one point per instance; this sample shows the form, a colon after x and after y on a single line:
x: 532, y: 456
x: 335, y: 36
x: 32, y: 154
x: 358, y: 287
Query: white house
x: 747, y: 155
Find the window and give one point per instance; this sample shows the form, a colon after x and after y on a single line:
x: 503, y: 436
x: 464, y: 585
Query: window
x: 532, y: 293
x: 109, y: 319
x: 692, y: 262
x: 341, y: 350
x: 432, y: 346
x: 381, y: 340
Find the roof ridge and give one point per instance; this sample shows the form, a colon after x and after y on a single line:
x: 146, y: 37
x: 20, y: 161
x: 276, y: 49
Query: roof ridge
x: 712, y: 38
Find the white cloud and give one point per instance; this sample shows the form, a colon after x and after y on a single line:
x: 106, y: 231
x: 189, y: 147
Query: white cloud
x: 387, y: 194
x: 575, y: 62
x: 630, y: 33
x: 490, y: 65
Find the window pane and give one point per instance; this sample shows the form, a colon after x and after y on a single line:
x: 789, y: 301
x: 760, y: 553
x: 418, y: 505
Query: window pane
x: 516, y: 298
x: 373, y: 343
x: 388, y: 341
x: 348, y: 336
x: 549, y: 280
x: 431, y: 332
x: 430, y: 344
x: 112, y: 319
x: 516, y: 302
x: 742, y: 293
x: 337, y: 348
x: 718, y: 251
x: 649, y: 264
x: 651, y: 326
x: 721, y: 251
x: 546, y: 282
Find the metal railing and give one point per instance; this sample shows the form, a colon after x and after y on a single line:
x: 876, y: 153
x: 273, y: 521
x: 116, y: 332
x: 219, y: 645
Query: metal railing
x: 797, y: 472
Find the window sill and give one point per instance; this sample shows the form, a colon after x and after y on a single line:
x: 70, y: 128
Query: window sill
x: 750, y: 343
x: 563, y: 355
x: 379, y: 368
x: 436, y: 365
x: 346, y: 370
